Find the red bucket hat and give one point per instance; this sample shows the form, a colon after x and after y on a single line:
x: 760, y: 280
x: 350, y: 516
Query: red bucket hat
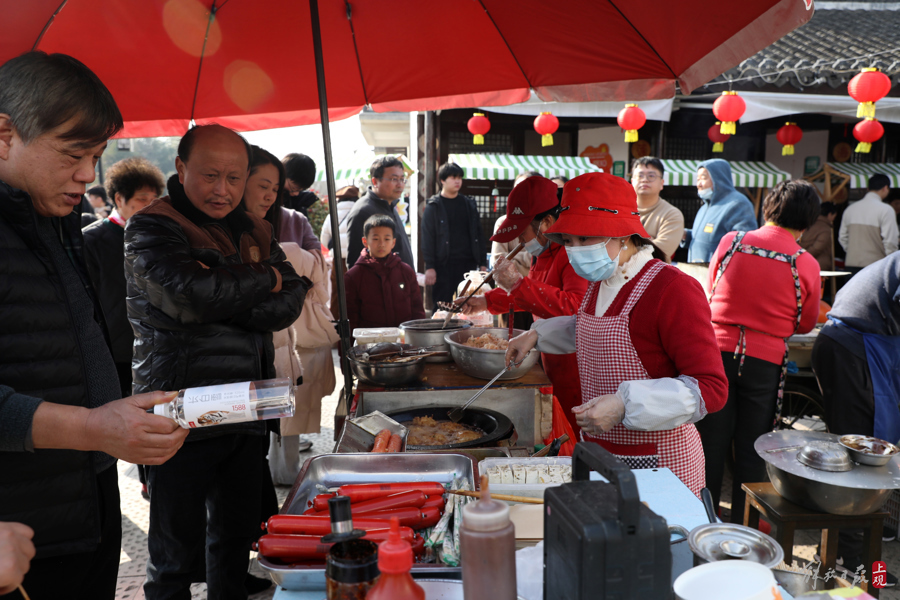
x: 530, y: 198
x: 597, y: 205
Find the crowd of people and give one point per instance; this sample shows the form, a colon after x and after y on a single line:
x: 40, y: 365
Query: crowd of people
x: 115, y: 298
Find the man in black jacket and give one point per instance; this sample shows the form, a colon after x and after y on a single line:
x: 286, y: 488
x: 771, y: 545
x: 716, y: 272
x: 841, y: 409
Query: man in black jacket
x: 450, y: 216
x: 388, y: 181
x: 207, y: 286
x: 62, y: 422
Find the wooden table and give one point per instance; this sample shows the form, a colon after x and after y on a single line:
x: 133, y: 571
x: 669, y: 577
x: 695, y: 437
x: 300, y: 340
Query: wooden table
x: 787, y: 517
x: 447, y: 376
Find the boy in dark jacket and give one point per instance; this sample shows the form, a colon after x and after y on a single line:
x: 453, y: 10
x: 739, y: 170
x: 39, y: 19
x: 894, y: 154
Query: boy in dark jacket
x: 382, y: 290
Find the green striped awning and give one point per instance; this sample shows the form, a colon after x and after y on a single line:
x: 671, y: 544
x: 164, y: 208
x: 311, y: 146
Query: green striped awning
x: 860, y: 172
x: 357, y: 172
x: 507, y: 166
x: 743, y: 174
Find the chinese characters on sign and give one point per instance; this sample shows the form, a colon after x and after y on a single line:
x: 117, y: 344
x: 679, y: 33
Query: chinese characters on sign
x: 811, y: 571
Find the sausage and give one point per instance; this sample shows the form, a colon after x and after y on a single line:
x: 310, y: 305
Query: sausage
x: 360, y: 492
x: 292, y: 548
x: 430, y: 518
x: 320, y: 502
x: 394, y: 444
x: 321, y: 525
x: 382, y: 440
x: 437, y: 501
x: 409, y: 516
x: 410, y: 498
x: 418, y: 545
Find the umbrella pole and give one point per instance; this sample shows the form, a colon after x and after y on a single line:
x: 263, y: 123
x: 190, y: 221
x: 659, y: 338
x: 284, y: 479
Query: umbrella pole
x: 343, y: 323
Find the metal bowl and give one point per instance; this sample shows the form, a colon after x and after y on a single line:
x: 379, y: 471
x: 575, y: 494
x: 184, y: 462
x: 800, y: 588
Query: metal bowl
x: 384, y: 374
x: 868, y: 450
x: 485, y: 364
x: 429, y: 333
x: 825, y: 456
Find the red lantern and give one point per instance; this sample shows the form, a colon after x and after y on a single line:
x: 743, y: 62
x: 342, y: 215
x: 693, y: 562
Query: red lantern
x: 631, y: 118
x: 546, y: 125
x: 478, y: 127
x: 718, y: 138
x: 788, y: 135
x: 867, y: 132
x: 729, y: 108
x: 867, y: 88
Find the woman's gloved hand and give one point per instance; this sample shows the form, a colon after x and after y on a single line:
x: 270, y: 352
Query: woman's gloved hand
x: 506, y: 274
x: 600, y: 414
x: 476, y: 305
x: 519, y: 346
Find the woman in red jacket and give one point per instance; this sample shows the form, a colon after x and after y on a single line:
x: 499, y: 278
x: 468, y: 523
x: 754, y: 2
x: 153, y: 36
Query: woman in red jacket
x: 763, y: 288
x: 552, y: 288
x: 647, y: 355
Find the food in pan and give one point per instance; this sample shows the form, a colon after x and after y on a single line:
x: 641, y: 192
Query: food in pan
x: 527, y: 474
x: 488, y: 341
x: 425, y: 431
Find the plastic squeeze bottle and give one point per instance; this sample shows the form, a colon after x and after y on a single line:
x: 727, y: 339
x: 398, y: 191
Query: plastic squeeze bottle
x: 230, y: 403
x: 395, y: 559
x: 487, y: 547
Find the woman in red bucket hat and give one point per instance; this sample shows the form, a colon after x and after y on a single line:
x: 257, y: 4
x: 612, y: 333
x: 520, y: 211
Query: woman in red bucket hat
x: 647, y: 356
x: 552, y: 288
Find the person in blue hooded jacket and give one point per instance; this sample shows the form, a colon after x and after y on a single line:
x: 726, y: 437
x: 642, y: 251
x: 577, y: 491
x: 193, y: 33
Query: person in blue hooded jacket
x: 724, y: 209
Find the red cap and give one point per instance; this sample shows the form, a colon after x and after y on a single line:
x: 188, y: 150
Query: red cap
x: 394, y: 554
x: 598, y: 205
x: 530, y: 198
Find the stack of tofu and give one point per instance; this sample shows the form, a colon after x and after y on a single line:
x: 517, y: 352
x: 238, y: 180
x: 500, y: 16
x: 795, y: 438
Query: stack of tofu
x: 520, y: 474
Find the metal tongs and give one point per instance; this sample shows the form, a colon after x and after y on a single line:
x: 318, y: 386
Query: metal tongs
x: 457, y: 413
x: 488, y: 279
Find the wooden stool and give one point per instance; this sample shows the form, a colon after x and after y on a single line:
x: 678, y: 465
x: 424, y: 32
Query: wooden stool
x: 787, y: 517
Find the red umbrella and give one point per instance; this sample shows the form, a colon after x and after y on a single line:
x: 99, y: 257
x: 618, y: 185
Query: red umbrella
x: 249, y: 64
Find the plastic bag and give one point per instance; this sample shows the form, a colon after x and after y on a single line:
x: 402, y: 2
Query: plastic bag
x: 530, y: 572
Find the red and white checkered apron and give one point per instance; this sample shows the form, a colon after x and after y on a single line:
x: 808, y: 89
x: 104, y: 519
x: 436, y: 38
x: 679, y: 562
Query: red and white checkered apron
x: 606, y: 358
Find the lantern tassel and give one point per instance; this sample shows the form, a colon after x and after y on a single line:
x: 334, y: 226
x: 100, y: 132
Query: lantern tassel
x: 863, y: 147
x: 865, y: 109
x: 631, y: 135
x: 718, y: 147
x: 727, y: 128
x: 787, y: 150
x: 478, y: 139
x: 547, y: 139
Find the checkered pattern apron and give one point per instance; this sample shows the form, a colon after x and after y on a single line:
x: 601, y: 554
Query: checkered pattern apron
x: 606, y: 358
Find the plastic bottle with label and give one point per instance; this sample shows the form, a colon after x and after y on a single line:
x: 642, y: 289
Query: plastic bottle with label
x: 395, y: 559
x: 487, y: 548
x: 230, y: 403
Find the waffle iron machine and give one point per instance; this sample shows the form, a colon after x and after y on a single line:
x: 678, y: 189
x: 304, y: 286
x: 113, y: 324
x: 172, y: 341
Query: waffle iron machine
x: 600, y: 541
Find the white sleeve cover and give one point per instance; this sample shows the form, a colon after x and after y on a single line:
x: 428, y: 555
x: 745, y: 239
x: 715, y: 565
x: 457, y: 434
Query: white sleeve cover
x: 661, y: 404
x: 556, y: 335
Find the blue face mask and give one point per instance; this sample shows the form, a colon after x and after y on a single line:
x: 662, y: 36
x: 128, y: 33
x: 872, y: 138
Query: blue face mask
x: 534, y: 248
x: 706, y: 194
x: 592, y: 262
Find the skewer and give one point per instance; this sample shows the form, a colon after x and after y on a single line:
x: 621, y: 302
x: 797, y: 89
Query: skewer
x: 22, y: 591
x: 507, y: 497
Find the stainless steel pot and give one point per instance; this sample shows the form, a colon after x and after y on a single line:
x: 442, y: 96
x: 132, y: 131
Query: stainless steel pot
x: 862, y: 490
x: 485, y: 364
x: 428, y: 333
x: 726, y: 541
x: 383, y: 373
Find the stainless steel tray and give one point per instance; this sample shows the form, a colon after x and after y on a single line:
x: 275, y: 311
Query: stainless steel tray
x: 334, y: 470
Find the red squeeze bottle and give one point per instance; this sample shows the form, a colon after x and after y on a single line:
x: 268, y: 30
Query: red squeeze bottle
x: 395, y: 559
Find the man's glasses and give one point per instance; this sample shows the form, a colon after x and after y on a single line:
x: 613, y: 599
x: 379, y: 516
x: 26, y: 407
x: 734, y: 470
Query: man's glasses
x: 651, y: 177
x: 395, y: 179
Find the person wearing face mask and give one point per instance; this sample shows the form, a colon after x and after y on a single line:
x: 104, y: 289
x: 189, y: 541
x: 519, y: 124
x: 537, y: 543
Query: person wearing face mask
x: 764, y: 288
x: 724, y: 209
x: 648, y: 372
x: 551, y: 289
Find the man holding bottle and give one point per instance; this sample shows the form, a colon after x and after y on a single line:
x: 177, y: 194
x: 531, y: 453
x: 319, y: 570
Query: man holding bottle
x: 207, y: 286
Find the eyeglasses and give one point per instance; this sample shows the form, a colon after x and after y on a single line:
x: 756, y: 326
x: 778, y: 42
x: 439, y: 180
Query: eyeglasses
x: 395, y: 179
x: 651, y: 177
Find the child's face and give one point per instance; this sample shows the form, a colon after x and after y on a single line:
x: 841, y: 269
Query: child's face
x: 380, y: 241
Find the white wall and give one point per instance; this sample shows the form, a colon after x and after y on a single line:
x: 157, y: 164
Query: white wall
x: 814, y: 143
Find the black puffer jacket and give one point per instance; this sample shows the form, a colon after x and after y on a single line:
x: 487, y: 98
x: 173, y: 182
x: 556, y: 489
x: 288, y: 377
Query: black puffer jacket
x: 200, y: 304
x: 104, y: 253
x: 52, y: 491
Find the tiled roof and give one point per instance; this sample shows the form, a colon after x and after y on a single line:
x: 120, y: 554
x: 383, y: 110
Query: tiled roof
x: 826, y: 52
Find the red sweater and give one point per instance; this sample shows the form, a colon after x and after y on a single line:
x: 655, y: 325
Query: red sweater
x: 671, y: 332
x: 382, y: 293
x: 759, y: 293
x: 552, y: 288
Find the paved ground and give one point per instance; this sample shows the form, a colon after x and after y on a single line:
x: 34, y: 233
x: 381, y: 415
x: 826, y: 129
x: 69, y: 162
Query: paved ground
x: 135, y: 523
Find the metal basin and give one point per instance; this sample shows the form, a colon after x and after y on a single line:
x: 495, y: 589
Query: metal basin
x: 384, y: 374
x: 496, y: 427
x: 485, y: 364
x: 425, y: 333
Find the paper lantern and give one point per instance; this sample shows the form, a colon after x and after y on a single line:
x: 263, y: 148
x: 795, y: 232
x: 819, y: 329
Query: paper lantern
x: 631, y: 118
x: 729, y: 108
x: 546, y: 125
x: 788, y: 135
x: 867, y: 131
x: 718, y: 138
x: 867, y: 88
x: 478, y: 127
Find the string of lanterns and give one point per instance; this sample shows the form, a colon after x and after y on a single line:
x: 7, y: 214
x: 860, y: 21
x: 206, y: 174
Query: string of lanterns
x: 867, y: 88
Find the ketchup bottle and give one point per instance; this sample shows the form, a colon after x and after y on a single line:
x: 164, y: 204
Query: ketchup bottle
x: 487, y: 549
x: 395, y: 559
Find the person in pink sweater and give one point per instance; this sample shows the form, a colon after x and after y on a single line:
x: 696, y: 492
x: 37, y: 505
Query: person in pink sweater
x: 764, y: 288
